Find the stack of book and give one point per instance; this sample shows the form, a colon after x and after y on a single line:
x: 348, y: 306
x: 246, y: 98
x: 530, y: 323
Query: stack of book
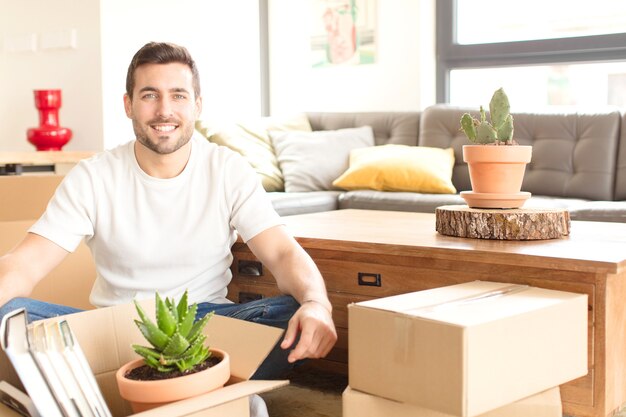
x: 52, y: 368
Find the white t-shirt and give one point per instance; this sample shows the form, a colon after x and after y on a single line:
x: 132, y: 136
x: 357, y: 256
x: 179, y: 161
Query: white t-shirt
x: 148, y: 234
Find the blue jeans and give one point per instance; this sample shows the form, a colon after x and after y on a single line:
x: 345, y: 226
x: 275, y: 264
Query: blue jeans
x: 272, y: 311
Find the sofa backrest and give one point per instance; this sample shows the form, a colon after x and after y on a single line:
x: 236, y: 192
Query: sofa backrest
x: 401, y: 128
x: 574, y: 154
x: 620, y: 179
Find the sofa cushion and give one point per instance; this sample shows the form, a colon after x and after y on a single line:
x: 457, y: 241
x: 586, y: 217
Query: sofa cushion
x: 573, y: 153
x: 419, y: 169
x: 287, y: 204
x: 396, y: 201
x: 400, y: 128
x: 600, y: 211
x: 250, y: 138
x: 310, y: 161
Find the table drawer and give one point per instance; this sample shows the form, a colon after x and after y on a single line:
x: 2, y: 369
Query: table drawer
x: 240, y: 292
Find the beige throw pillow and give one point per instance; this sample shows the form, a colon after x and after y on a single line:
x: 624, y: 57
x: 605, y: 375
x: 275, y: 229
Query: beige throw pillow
x: 250, y: 138
x: 310, y: 161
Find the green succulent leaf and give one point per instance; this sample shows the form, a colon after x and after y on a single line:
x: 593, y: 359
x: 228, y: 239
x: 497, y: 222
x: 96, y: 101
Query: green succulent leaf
x: 197, y: 345
x: 485, y: 133
x: 186, y: 322
x: 172, y: 308
x: 467, y: 125
x: 146, y: 351
x: 156, y: 337
x: 152, y: 362
x: 177, y: 345
x: 182, y: 306
x: 165, y: 318
x: 505, y: 132
x: 177, y: 338
x: 499, y: 108
x: 196, y: 330
x: 483, y: 115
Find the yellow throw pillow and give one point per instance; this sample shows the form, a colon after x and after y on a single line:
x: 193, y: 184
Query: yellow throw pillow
x: 400, y: 168
x: 250, y: 138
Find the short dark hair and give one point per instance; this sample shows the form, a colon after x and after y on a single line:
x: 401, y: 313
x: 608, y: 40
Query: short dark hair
x: 161, y: 53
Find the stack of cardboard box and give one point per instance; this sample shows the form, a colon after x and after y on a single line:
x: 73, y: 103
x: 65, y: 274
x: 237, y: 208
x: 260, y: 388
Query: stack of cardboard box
x: 481, y: 348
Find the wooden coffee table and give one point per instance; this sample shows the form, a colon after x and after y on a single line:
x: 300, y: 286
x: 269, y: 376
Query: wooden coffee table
x: 365, y: 254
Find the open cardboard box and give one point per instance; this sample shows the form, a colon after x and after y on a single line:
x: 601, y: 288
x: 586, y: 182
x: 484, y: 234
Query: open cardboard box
x: 24, y: 199
x: 106, y: 335
x: 467, y: 349
x: 360, y: 404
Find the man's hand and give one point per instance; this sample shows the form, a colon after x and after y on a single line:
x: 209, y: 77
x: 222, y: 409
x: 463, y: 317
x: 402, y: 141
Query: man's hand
x: 317, y: 332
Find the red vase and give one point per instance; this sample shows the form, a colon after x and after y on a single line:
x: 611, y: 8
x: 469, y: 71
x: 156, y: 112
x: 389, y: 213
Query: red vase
x: 49, y: 136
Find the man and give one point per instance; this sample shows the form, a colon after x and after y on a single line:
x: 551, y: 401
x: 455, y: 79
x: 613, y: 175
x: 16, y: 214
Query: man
x: 161, y: 213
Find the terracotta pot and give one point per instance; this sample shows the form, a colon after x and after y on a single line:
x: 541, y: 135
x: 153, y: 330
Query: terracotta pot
x: 494, y: 171
x: 145, y: 395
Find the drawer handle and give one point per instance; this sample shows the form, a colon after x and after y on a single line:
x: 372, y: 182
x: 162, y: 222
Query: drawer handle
x: 370, y: 280
x: 249, y: 268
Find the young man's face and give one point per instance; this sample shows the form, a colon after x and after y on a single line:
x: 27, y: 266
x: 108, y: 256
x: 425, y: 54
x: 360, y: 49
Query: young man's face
x: 164, y: 107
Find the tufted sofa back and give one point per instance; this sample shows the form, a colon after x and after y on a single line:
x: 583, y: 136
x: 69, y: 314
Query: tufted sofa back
x: 620, y: 180
x: 574, y: 154
x: 401, y: 128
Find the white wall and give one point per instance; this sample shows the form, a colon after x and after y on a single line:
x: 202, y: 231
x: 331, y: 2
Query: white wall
x: 222, y: 36
x: 75, y: 71
x: 402, y: 79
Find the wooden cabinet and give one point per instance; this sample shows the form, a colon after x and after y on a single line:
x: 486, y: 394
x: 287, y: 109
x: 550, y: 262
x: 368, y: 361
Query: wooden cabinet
x: 366, y: 254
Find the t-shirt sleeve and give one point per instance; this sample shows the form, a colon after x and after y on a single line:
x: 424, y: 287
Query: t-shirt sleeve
x: 68, y: 216
x: 251, y: 209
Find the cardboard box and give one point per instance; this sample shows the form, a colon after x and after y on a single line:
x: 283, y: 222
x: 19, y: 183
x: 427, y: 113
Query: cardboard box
x: 467, y: 349
x: 106, y: 335
x: 360, y: 404
x: 24, y: 199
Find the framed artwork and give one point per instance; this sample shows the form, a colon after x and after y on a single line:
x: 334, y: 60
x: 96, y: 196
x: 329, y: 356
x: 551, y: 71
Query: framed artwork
x: 343, y: 32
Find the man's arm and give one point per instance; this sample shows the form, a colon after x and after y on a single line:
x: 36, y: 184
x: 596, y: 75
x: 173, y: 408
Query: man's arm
x: 27, y: 264
x: 297, y: 275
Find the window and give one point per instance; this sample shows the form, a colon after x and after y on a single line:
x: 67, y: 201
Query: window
x: 542, y: 52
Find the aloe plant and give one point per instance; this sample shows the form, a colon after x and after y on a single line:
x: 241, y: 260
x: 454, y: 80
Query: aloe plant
x: 176, y: 338
x: 499, y: 130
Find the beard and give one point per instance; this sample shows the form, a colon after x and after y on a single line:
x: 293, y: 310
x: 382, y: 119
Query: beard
x: 164, y: 144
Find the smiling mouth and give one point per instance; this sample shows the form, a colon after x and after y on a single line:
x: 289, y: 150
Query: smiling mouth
x: 164, y: 128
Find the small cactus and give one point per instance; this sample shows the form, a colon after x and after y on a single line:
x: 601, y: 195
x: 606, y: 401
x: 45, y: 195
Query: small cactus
x: 499, y: 130
x: 177, y: 339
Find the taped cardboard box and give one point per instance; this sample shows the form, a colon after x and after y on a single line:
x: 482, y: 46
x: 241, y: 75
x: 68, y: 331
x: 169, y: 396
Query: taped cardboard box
x: 106, y: 335
x: 360, y: 404
x: 467, y: 349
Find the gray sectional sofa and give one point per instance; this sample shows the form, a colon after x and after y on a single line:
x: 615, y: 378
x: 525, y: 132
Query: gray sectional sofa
x: 579, y: 161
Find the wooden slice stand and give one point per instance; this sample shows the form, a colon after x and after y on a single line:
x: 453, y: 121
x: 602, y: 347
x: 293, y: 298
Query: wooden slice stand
x: 502, y: 224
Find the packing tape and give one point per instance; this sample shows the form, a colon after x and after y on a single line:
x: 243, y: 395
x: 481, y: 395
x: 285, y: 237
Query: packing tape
x: 469, y: 299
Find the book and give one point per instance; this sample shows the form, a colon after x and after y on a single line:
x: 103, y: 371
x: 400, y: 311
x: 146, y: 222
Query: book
x: 14, y: 341
x: 47, y: 353
x: 17, y: 400
x: 38, y: 347
x: 80, y: 369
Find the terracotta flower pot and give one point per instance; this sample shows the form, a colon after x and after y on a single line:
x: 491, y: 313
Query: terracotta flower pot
x: 496, y: 174
x: 145, y: 395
